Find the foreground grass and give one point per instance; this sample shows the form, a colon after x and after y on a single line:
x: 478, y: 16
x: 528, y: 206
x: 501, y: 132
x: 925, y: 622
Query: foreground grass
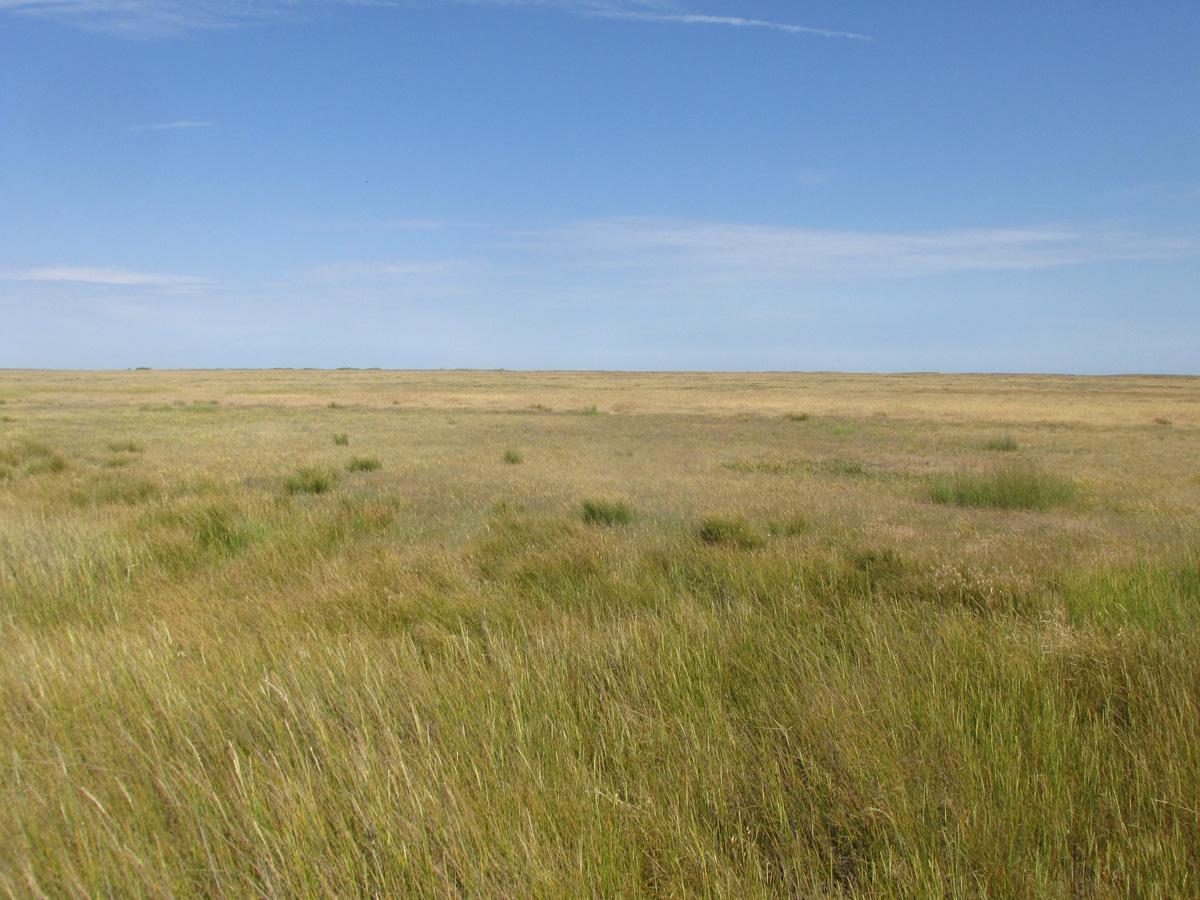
x: 219, y: 687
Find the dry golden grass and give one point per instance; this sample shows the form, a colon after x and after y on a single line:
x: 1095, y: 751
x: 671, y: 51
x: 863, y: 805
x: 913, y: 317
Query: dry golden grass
x: 439, y: 677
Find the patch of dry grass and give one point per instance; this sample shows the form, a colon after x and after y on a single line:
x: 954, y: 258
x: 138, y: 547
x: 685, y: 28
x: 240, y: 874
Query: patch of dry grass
x: 439, y: 681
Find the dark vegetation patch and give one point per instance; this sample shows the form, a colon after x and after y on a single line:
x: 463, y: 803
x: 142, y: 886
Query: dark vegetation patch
x: 1004, y: 444
x: 363, y: 464
x: 607, y: 512
x: 1008, y: 487
x: 841, y: 467
x: 730, y: 531
x: 311, y: 480
x: 30, y: 457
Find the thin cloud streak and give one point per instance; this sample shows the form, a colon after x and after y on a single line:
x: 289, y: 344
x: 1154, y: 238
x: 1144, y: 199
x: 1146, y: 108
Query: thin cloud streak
x: 98, y: 275
x: 758, y: 253
x: 693, y: 19
x: 147, y: 19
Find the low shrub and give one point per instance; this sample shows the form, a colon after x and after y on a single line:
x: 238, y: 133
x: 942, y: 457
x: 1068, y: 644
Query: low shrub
x: 1009, y: 487
x: 607, y: 512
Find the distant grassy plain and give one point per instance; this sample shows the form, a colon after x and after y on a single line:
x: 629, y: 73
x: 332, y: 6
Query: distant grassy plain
x: 293, y: 634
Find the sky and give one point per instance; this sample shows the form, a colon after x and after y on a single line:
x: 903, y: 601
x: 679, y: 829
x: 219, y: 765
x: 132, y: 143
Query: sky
x: 849, y: 185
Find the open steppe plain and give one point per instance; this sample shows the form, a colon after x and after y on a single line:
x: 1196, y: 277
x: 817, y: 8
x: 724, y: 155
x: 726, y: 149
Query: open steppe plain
x: 293, y: 634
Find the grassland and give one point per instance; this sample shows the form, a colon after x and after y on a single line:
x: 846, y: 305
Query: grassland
x: 348, y: 634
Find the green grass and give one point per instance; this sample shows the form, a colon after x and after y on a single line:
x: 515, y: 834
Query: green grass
x: 730, y: 531
x: 842, y: 467
x: 590, y: 411
x: 311, y: 480
x: 127, y: 446
x: 797, y: 417
x: 512, y: 457
x: 341, y: 439
x: 1004, y: 444
x: 333, y: 404
x: 1008, y: 487
x: 30, y: 458
x: 363, y: 464
x: 607, y: 512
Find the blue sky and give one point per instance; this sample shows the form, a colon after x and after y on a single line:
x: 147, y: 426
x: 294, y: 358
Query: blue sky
x: 624, y: 184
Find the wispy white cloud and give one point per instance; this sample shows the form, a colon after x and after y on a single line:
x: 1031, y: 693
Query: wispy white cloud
x: 165, y: 18
x: 98, y: 275
x: 710, y: 251
x: 735, y: 21
x: 182, y: 125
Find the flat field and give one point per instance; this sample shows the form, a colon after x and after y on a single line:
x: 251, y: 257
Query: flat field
x: 292, y: 634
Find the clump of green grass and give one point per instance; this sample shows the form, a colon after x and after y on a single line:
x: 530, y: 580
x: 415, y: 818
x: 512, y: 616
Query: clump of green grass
x: 126, y: 447
x: 589, y: 411
x: 341, y: 440
x: 1005, y: 444
x: 607, y: 512
x: 1162, y: 420
x: 363, y: 464
x: 310, y: 480
x: 539, y: 407
x: 31, y: 458
x: 512, y: 457
x: 1009, y: 487
x: 797, y: 417
x: 728, y: 531
x: 790, y: 527
x: 333, y: 404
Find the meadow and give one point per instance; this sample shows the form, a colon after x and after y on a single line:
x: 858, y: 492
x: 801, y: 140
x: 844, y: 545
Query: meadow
x: 372, y: 634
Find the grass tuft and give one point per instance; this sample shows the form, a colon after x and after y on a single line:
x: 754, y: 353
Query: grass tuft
x: 126, y: 447
x: 734, y: 532
x: 797, y: 417
x: 607, y: 512
x: 1009, y: 487
x: 789, y: 527
x: 512, y: 457
x: 1162, y: 420
x: 589, y: 411
x: 310, y: 480
x: 31, y: 458
x: 333, y: 404
x: 1004, y: 444
x: 363, y: 464
x: 341, y: 440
